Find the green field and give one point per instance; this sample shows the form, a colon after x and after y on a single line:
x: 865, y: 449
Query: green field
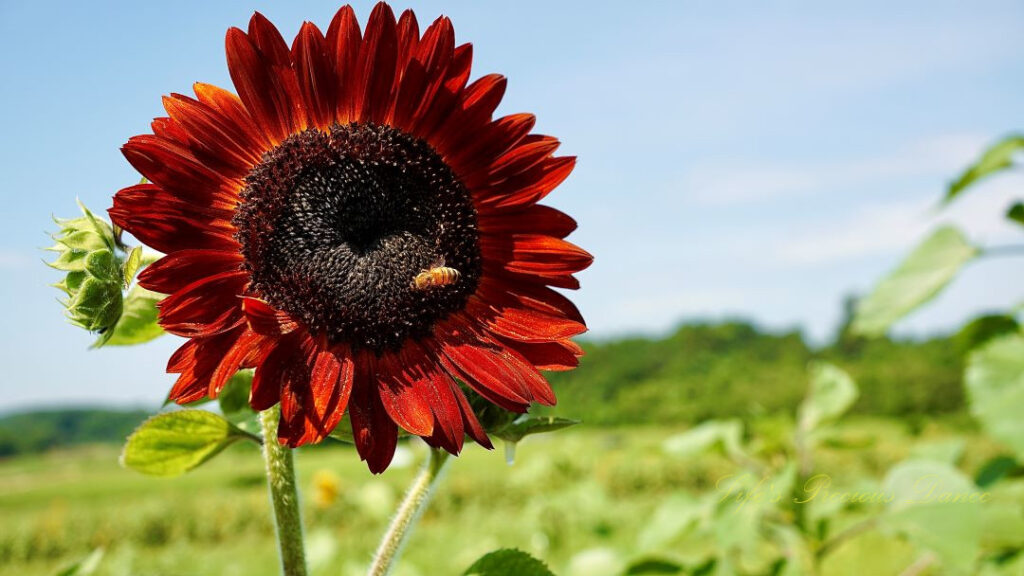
x: 584, y: 500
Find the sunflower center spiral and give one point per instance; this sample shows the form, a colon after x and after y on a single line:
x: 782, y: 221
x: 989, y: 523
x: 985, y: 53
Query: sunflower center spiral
x: 336, y: 225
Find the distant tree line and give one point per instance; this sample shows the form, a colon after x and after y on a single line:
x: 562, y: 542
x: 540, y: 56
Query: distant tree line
x: 733, y: 369
x: 42, y: 430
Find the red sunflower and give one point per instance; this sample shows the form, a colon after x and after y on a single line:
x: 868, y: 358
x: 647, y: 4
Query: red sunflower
x: 356, y: 227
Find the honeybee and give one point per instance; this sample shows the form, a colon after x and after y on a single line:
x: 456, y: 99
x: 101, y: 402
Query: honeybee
x: 437, y: 275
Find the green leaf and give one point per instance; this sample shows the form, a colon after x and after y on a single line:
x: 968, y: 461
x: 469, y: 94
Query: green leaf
x: 234, y: 397
x: 997, y: 157
x: 84, y: 567
x: 949, y: 451
x: 1016, y: 213
x: 138, y: 321
x: 922, y: 511
x: 674, y: 516
x: 173, y: 443
x: 528, y: 424
x: 831, y: 395
x: 1002, y: 527
x: 596, y: 562
x: 131, y: 265
x: 704, y: 437
x: 798, y: 558
x: 953, y: 533
x: 646, y: 566
x: 982, y: 329
x: 508, y: 562
x: 995, y: 470
x: 918, y: 279
x: 921, y: 482
x: 995, y: 389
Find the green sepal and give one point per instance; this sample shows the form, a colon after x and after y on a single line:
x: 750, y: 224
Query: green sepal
x: 69, y: 261
x: 81, y: 240
x: 96, y: 305
x: 70, y: 283
x: 100, y: 226
x: 103, y: 265
x: 138, y: 322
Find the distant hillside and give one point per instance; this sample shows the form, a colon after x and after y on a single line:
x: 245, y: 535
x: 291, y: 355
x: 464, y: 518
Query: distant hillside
x: 703, y: 370
x: 42, y: 430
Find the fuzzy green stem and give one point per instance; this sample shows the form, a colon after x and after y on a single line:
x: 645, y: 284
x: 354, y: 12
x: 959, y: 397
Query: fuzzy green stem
x: 284, y: 496
x: 409, y: 511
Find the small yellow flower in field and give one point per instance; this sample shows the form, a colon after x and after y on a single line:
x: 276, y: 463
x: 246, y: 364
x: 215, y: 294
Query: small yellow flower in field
x: 326, y: 487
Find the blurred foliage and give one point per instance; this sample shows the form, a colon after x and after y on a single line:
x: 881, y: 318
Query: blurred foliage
x: 998, y: 157
x: 584, y: 498
x: 918, y: 279
x: 508, y: 562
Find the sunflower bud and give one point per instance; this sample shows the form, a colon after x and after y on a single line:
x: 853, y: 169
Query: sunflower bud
x: 87, y: 251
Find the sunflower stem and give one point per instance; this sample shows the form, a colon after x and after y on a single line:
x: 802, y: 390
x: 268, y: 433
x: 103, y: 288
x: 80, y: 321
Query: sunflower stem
x: 414, y: 503
x: 284, y: 496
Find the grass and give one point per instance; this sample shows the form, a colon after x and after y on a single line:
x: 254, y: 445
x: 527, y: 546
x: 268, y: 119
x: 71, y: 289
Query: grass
x: 571, y: 494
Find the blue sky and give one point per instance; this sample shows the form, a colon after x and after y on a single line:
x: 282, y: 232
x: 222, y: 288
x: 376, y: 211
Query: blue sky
x: 757, y: 159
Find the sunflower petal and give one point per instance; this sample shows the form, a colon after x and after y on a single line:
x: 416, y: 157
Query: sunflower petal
x: 343, y: 41
x: 403, y: 382
x: 374, y: 432
x: 378, y: 57
x: 205, y: 307
x: 258, y: 86
x: 265, y: 319
x: 317, y: 77
x: 179, y: 269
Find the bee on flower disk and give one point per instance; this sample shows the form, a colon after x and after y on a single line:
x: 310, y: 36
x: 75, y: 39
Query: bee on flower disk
x: 438, y: 275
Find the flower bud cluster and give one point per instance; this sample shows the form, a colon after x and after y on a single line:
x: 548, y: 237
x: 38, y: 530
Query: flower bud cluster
x: 88, y: 251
